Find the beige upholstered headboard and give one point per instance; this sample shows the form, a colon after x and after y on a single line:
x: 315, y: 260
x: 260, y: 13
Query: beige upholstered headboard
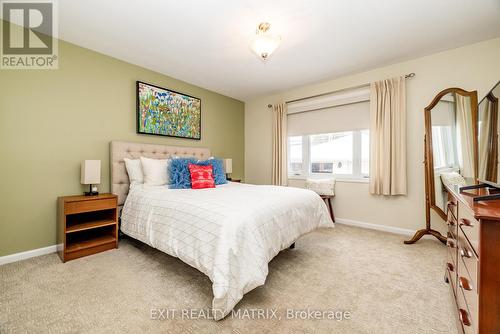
x: 119, y: 150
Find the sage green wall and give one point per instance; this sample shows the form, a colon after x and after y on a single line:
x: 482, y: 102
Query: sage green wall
x: 50, y: 120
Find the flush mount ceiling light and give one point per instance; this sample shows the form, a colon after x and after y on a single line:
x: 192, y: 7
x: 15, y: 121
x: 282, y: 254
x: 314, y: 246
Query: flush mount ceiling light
x: 265, y: 43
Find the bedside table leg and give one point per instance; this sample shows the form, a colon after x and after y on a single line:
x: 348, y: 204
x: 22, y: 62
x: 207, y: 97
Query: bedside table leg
x: 331, y: 209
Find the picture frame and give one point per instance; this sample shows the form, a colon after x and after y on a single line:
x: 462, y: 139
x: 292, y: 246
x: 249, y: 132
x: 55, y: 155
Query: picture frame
x: 165, y: 112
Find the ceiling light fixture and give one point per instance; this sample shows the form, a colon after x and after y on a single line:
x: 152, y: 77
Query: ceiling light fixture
x: 265, y: 43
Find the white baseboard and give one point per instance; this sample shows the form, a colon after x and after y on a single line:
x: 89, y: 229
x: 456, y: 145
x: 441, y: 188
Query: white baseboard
x: 52, y: 249
x: 29, y: 254
x: 384, y: 228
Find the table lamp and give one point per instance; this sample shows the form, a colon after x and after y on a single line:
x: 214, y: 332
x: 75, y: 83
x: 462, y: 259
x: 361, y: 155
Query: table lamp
x: 228, y: 167
x: 91, y: 175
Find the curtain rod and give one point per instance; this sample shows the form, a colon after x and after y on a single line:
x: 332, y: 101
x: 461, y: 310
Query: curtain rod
x: 407, y: 76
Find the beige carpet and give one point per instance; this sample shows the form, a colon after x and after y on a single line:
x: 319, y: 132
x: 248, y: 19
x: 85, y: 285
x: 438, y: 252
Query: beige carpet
x: 386, y: 286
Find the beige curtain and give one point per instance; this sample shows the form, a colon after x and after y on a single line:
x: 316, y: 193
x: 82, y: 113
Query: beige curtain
x: 388, y: 137
x: 484, y: 139
x: 465, y: 136
x: 279, y: 168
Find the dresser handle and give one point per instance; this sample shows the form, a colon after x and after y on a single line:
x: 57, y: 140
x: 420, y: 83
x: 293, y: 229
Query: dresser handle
x: 450, y: 266
x: 464, y: 252
x: 450, y: 203
x: 464, y: 317
x: 450, y: 243
x: 464, y: 283
x: 466, y: 222
x: 451, y: 222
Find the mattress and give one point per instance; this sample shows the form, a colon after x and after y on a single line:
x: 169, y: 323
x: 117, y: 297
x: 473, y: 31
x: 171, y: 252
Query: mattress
x: 230, y: 233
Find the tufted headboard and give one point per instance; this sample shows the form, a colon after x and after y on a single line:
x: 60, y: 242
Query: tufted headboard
x: 119, y: 150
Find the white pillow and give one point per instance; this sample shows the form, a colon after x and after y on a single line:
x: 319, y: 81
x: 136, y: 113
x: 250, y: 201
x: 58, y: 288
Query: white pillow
x: 155, y: 171
x: 134, y: 170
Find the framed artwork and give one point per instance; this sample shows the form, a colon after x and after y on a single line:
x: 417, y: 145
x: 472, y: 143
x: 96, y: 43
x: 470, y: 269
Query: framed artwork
x: 164, y: 112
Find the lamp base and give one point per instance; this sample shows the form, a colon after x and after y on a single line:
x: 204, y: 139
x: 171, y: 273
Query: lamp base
x: 90, y: 192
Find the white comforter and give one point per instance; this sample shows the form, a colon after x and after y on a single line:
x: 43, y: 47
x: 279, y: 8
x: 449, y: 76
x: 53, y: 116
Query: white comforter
x: 230, y: 233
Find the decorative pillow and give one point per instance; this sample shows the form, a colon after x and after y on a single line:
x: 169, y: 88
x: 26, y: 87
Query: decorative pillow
x: 201, y: 176
x: 155, y: 171
x: 217, y: 168
x: 134, y: 170
x: 322, y: 186
x: 180, y: 177
x: 452, y: 178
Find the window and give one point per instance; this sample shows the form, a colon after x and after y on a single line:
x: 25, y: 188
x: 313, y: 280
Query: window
x: 328, y: 135
x: 341, y: 154
x: 442, y: 140
x: 365, y: 152
x: 332, y: 153
x: 295, y: 155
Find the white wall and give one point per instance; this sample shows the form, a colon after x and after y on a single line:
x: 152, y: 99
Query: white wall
x: 473, y: 67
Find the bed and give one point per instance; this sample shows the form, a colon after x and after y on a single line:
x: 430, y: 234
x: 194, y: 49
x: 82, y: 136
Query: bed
x: 230, y: 233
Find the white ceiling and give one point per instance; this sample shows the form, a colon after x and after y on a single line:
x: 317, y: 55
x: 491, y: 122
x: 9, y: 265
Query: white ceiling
x: 206, y: 43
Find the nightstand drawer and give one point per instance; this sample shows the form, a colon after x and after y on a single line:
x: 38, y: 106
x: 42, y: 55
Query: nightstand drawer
x: 90, y: 205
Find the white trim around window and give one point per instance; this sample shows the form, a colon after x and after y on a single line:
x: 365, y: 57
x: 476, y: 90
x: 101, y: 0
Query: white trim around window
x: 301, y: 168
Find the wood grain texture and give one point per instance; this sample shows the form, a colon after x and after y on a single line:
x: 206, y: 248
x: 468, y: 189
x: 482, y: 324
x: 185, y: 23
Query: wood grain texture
x: 87, y: 225
x: 476, y: 255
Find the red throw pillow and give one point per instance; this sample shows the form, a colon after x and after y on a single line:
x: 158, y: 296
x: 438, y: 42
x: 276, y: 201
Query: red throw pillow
x: 201, y: 176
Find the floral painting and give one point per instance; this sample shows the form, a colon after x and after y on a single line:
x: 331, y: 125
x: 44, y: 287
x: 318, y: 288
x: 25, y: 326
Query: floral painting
x: 167, y: 113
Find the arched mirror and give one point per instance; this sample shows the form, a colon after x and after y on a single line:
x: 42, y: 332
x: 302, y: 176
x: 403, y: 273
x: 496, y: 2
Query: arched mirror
x: 488, y: 125
x: 451, y: 150
x: 452, y: 145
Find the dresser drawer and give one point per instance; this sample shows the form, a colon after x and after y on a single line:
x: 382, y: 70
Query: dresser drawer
x: 471, y: 298
x: 451, y: 245
x: 470, y: 228
x: 467, y: 276
x: 452, y: 225
x: 89, y: 205
x: 452, y: 205
x: 451, y: 240
x: 467, y: 260
x: 451, y: 274
x: 451, y: 222
x: 466, y: 320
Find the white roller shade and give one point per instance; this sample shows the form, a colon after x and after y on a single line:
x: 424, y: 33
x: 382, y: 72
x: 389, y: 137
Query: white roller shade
x: 334, y: 119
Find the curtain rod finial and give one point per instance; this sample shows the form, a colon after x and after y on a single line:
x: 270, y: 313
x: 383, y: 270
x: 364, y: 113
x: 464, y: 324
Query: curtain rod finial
x: 269, y: 105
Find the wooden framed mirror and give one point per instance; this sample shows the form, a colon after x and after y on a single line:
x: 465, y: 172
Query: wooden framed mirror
x: 488, y: 124
x: 450, y: 149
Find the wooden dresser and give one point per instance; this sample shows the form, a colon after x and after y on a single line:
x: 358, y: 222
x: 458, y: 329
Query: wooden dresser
x: 473, y: 265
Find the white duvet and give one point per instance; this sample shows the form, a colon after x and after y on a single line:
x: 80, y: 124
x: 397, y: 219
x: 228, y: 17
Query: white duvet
x: 230, y: 233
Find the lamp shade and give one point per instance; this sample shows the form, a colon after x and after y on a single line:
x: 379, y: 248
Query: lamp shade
x: 91, y: 172
x: 228, y: 165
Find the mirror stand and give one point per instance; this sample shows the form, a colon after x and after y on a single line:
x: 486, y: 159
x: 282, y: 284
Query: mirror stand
x: 427, y: 230
x: 450, y: 152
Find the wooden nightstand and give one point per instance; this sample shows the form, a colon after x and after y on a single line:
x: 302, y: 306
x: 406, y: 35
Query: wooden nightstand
x: 235, y: 180
x: 86, y: 225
